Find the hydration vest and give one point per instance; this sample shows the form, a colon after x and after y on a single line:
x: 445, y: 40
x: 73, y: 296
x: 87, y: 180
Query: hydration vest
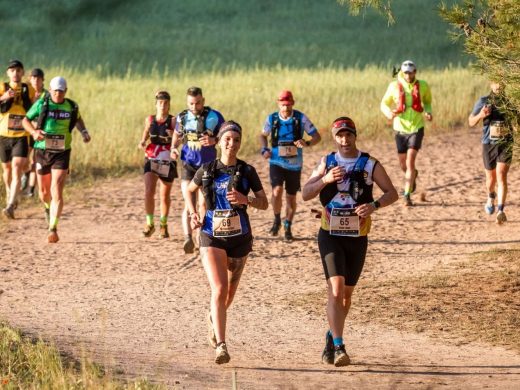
x: 296, y: 127
x: 235, y: 182
x: 416, y: 98
x: 359, y: 190
x: 158, y: 132
x: 42, y: 118
x: 201, y: 122
x: 6, y: 105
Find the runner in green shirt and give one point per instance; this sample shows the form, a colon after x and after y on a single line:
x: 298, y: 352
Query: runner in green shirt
x: 56, y: 118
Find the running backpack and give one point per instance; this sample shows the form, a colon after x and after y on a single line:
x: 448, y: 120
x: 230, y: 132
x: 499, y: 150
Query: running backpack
x: 201, y: 122
x: 358, y: 189
x: 296, y: 127
x: 235, y: 182
x: 42, y: 118
x: 26, y: 100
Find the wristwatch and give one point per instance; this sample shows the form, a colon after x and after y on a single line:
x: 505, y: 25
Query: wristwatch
x: 376, y: 204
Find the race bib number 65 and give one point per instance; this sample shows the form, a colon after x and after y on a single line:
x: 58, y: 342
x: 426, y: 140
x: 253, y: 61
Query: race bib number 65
x: 344, y: 222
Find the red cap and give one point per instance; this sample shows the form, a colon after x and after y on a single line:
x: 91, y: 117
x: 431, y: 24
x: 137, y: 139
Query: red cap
x: 286, y: 97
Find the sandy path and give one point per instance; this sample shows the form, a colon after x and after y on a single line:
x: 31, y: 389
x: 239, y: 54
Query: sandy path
x: 138, y: 306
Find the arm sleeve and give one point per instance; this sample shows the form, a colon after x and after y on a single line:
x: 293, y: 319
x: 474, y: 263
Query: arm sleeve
x: 308, y: 126
x: 388, y: 100
x: 427, y: 98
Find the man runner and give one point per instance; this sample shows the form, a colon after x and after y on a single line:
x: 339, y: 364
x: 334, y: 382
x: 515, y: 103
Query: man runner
x: 404, y: 103
x: 286, y: 129
x: 197, y: 128
x: 57, y: 117
x: 15, y: 100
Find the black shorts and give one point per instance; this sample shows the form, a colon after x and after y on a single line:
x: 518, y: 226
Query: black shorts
x: 188, y: 171
x: 499, y: 152
x: 13, y: 147
x: 45, y: 161
x: 279, y: 175
x: 167, y: 179
x: 405, y: 141
x: 238, y: 246
x: 342, y: 256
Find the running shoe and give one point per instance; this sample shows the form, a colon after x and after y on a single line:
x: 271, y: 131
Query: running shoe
x: 288, y: 234
x: 221, y: 354
x: 489, y: 207
x: 148, y: 230
x: 52, y: 237
x: 163, y: 231
x: 407, y: 201
x: 501, y: 217
x: 9, y: 211
x: 275, y: 229
x: 188, y: 245
x: 340, y: 356
x: 414, y: 185
x: 212, y: 339
x: 327, y: 356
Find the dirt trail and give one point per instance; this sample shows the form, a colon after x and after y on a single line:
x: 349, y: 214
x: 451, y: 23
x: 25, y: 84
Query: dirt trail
x: 138, y: 305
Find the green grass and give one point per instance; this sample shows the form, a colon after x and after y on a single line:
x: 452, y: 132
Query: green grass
x: 200, y: 35
x: 32, y: 364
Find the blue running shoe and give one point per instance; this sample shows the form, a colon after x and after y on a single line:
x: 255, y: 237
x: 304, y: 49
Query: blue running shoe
x: 489, y: 208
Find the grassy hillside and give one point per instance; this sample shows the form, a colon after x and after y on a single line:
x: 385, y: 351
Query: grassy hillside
x: 115, y: 35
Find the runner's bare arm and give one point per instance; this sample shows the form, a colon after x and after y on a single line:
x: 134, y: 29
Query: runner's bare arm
x: 28, y: 126
x: 176, y: 141
x: 316, y: 137
x: 146, y: 134
x: 195, y: 220
x: 259, y: 201
x: 389, y: 196
x: 474, y: 119
x: 80, y: 125
x: 266, y: 153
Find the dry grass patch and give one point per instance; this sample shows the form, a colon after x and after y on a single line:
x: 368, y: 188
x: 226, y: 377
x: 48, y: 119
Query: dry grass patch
x: 475, y: 300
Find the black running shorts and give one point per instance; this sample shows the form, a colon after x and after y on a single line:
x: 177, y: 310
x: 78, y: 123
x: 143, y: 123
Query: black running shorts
x: 45, y: 161
x: 279, y: 176
x: 167, y: 179
x: 499, y: 152
x: 188, y: 171
x: 405, y: 141
x: 342, y: 256
x: 13, y: 147
x: 238, y: 246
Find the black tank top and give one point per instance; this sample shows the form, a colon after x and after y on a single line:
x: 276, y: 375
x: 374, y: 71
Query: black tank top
x: 159, y: 131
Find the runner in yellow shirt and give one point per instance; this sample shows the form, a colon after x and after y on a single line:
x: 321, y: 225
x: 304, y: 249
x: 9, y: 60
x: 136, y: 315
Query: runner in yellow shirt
x: 15, y: 100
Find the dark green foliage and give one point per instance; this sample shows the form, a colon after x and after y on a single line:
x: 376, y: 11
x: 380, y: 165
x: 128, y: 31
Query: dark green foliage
x: 110, y: 35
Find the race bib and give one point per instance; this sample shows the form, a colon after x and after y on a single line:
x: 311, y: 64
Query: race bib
x: 54, y: 142
x: 15, y: 122
x: 344, y: 222
x: 226, y: 223
x: 287, y: 149
x: 160, y: 167
x: 498, y: 130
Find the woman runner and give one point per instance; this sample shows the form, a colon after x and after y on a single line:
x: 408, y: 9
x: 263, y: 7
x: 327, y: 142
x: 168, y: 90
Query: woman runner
x: 157, y: 164
x: 226, y: 238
